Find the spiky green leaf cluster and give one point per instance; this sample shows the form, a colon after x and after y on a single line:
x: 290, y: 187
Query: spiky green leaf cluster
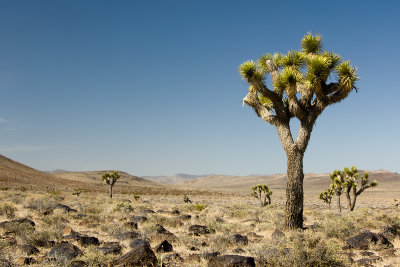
x: 111, y: 178
x: 293, y: 59
x: 347, y: 75
x: 311, y: 43
x: 248, y: 70
x: 265, y: 101
x: 318, y: 69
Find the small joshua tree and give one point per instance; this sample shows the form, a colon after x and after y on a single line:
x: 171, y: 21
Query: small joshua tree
x: 186, y: 199
x: 347, y: 181
x: 263, y: 193
x: 337, y: 185
x: 111, y: 179
x: 77, y: 192
x: 327, y: 195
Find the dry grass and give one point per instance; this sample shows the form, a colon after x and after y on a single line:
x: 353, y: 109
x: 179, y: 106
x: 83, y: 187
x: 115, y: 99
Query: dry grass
x: 224, y: 215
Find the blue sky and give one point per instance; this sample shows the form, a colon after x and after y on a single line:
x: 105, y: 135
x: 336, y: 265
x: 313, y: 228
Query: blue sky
x: 152, y: 87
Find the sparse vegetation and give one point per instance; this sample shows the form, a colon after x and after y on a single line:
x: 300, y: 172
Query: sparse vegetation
x: 111, y: 179
x: 7, y: 209
x: 303, y: 86
x: 136, y: 197
x: 262, y: 193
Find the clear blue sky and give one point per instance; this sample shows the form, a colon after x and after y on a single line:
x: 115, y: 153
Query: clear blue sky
x: 152, y: 87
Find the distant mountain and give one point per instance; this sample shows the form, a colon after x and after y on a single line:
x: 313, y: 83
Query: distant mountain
x: 15, y: 175
x: 388, y: 182
x: 174, y: 179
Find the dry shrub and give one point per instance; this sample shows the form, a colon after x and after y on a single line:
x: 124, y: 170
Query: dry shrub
x: 41, y: 204
x: 307, y: 248
x: 8, y: 209
x: 339, y: 226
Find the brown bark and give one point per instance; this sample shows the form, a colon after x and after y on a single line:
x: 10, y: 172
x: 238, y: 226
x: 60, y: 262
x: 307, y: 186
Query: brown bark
x: 294, y: 190
x: 111, y: 193
x: 338, y: 203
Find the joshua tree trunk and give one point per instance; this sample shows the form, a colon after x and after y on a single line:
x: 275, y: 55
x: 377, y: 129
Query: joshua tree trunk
x: 338, y: 203
x: 349, y: 203
x: 294, y: 190
x: 110, y: 191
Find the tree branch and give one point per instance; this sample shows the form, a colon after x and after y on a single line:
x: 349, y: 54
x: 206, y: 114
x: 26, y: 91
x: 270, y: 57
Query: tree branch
x: 251, y: 99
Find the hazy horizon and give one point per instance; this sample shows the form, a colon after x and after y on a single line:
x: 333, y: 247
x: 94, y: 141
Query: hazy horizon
x: 152, y: 88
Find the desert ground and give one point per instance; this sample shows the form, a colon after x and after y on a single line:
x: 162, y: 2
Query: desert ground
x: 43, y: 223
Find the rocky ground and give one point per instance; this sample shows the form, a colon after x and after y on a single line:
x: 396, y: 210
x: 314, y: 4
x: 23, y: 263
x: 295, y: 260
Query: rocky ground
x: 59, y: 229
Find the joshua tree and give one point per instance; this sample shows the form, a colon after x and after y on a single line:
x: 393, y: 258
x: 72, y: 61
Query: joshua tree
x: 302, y: 87
x: 347, y: 180
x: 327, y: 195
x: 263, y: 193
x: 77, y: 192
x: 111, y: 179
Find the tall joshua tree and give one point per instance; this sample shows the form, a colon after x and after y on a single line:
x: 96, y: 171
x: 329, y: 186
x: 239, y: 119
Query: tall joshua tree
x: 111, y: 179
x: 302, y: 87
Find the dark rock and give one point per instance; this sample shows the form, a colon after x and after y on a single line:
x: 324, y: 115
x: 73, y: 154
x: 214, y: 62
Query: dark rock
x: 210, y: 255
x: 277, y: 234
x: 131, y: 225
x: 363, y: 240
x: 139, y: 242
x: 127, y: 235
x: 366, y: 253
x: 77, y: 264
x: 110, y: 248
x: 88, y: 240
x: 64, y: 250
x: 232, y: 261
x: 368, y: 262
x: 9, y: 224
x: 185, y: 217
x: 148, y: 211
x: 140, y: 255
x: 194, y: 249
x: 28, y: 249
x: 138, y: 219
x: 240, y: 239
x: 238, y: 250
x: 204, y: 244
x: 175, y: 212
x: 391, y: 231
x: 198, y: 230
x: 80, y: 216
x: 164, y: 246
x: 25, y: 261
x: 64, y: 208
x: 161, y: 230
x: 173, y: 257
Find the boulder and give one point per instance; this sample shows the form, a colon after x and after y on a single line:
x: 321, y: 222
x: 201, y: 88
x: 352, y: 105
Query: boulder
x: 24, y: 261
x: 64, y: 208
x: 138, y: 219
x: 164, y: 246
x: 10, y: 224
x: 140, y: 255
x: 110, y: 248
x: 126, y: 235
x: 185, y: 217
x: 232, y: 261
x: 29, y: 249
x: 198, y: 230
x: 240, y: 239
x: 88, y: 241
x: 277, y: 234
x: 64, y: 250
x: 363, y: 240
x: 139, y: 242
